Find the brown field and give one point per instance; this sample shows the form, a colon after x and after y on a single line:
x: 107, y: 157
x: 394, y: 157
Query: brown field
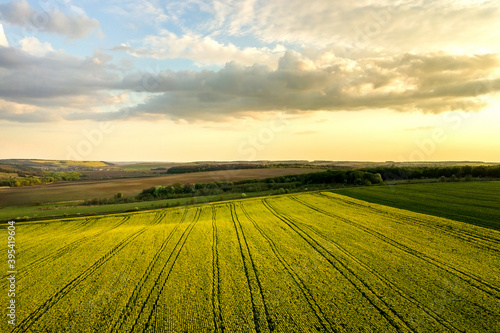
x: 72, y: 191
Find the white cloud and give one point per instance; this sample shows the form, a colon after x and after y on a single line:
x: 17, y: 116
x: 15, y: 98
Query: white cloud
x: 3, y: 38
x: 202, y: 50
x: 356, y: 28
x: 142, y: 12
x: 20, y: 13
x: 33, y: 46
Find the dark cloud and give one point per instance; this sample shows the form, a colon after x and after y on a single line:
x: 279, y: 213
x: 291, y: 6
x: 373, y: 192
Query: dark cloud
x: 54, y: 84
x: 27, y: 78
x: 75, y: 88
x: 430, y: 83
x: 20, y: 13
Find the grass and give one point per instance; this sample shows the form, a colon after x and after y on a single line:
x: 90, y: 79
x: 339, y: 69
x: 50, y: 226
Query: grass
x: 8, y: 175
x: 476, y: 203
x: 72, y: 209
x: 291, y: 263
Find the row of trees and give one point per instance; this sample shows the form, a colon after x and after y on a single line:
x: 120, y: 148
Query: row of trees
x: 316, y: 180
x: 177, y: 190
x: 459, y: 172
x: 346, y: 177
x: 213, y: 167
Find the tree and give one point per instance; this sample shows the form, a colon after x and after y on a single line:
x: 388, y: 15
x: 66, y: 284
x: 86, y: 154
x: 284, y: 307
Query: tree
x: 119, y: 195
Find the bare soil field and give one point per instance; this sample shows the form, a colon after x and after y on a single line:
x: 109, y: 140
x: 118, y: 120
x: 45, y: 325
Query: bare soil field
x: 81, y: 190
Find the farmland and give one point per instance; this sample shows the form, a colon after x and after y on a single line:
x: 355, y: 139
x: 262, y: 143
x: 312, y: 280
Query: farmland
x: 81, y: 190
x: 304, y: 262
x: 471, y: 202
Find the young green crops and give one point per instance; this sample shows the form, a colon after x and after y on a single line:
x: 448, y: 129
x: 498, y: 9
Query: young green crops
x: 293, y: 263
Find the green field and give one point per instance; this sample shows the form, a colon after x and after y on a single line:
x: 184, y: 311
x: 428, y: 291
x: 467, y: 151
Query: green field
x: 471, y: 202
x: 72, y: 209
x: 293, y: 263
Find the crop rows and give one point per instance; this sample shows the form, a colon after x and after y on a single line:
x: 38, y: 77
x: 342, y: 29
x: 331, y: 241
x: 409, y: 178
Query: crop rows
x: 305, y: 262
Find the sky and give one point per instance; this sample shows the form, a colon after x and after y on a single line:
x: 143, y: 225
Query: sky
x: 220, y: 80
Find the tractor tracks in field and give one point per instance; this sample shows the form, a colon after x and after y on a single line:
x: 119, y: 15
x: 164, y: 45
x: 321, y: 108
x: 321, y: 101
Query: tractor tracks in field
x: 481, y: 241
x: 384, y: 309
x: 216, y: 296
x: 438, y: 318
x: 469, y: 278
x: 313, y: 305
x: 47, y: 236
x: 65, y: 249
x: 29, y: 321
x: 251, y: 275
x: 140, y: 284
x: 156, y: 290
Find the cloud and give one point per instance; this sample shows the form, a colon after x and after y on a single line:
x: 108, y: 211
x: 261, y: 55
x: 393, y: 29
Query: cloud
x: 33, y: 46
x: 429, y: 83
x: 53, y: 83
x: 143, y: 12
x: 72, y: 26
x: 3, y: 38
x: 354, y: 28
x: 24, y: 113
x: 56, y: 85
x: 202, y: 50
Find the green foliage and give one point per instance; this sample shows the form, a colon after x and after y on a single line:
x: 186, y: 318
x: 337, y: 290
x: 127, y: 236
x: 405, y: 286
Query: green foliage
x: 213, y: 167
x: 406, y: 173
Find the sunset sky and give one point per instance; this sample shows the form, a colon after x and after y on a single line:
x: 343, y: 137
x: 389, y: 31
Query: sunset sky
x: 250, y: 80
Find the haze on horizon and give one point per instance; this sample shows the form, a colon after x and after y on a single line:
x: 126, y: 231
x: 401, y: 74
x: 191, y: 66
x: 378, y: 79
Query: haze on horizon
x: 151, y: 80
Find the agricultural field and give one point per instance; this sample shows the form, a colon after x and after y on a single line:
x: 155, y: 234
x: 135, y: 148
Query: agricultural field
x: 471, y: 202
x: 81, y: 190
x: 293, y: 263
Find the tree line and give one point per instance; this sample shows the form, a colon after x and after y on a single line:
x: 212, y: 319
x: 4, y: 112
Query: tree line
x: 177, y: 190
x: 453, y: 172
x: 309, y: 181
x: 229, y: 166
